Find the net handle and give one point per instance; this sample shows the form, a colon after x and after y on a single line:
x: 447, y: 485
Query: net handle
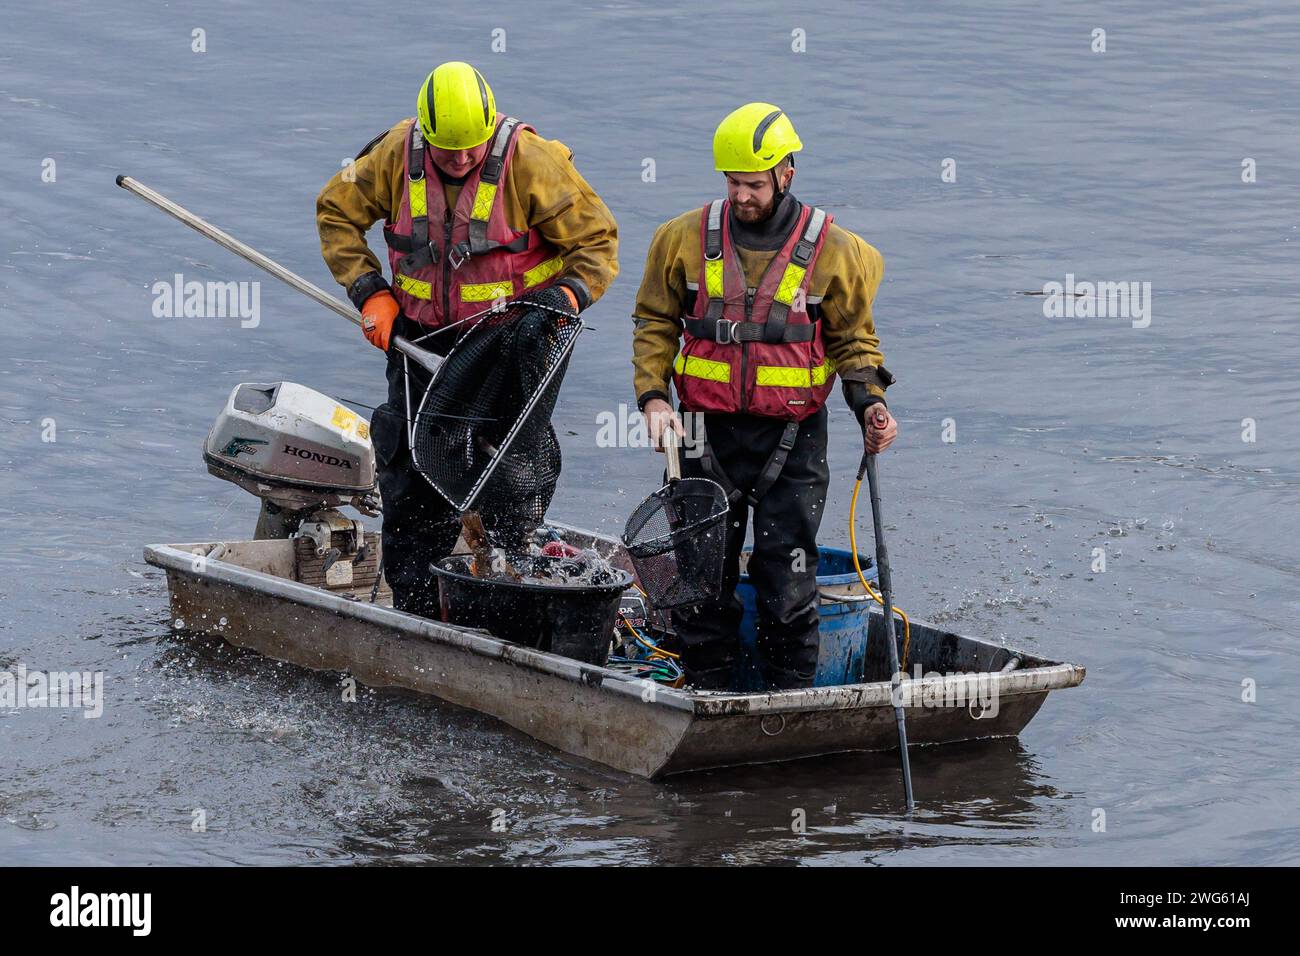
x: 671, y: 441
x: 425, y: 358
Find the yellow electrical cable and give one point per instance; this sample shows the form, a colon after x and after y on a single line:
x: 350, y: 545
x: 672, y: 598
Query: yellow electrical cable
x: 658, y: 652
x: 857, y: 566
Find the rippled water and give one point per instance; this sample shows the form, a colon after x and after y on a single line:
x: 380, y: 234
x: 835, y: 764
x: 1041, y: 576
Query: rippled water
x: 1072, y: 434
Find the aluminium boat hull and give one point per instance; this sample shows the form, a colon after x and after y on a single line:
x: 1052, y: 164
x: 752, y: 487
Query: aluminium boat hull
x: 244, y: 593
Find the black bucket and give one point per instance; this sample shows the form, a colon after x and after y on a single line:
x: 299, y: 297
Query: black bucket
x: 572, y: 620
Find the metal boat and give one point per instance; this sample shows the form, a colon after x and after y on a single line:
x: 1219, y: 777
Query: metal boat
x: 273, y: 597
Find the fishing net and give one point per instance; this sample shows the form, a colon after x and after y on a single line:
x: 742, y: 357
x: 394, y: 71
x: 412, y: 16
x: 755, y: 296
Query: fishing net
x: 676, y: 539
x: 482, y: 434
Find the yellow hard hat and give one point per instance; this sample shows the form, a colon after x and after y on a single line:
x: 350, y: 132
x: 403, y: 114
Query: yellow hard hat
x: 456, y: 108
x: 754, y: 138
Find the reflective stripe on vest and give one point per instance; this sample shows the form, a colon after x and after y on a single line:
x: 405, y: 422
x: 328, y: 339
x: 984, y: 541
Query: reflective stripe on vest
x: 780, y: 376
x: 483, y: 198
x: 421, y: 290
x: 485, y: 291
x: 714, y: 267
x: 419, y: 199
x: 540, y: 273
x: 774, y: 376
x: 713, y: 278
x: 486, y: 194
x: 794, y: 273
x: 706, y: 369
x: 790, y: 281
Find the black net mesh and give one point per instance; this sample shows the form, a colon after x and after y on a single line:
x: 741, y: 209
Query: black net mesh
x: 676, y: 539
x: 483, y: 435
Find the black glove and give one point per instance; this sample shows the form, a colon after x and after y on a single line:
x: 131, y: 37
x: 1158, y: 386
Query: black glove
x: 859, y: 400
x: 553, y: 298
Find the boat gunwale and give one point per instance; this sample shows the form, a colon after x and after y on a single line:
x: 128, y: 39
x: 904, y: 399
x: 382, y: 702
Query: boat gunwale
x: 179, y: 558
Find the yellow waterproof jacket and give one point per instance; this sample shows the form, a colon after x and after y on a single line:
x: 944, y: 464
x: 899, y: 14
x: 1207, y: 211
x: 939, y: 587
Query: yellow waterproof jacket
x: 542, y: 190
x: 843, y: 285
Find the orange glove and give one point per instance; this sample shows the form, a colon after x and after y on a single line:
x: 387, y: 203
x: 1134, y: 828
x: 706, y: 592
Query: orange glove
x: 377, y: 317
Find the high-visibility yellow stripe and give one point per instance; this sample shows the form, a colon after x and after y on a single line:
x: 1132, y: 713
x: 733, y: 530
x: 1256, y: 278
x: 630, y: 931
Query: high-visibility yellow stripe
x: 781, y: 376
x: 421, y: 290
x: 702, y: 368
x: 790, y: 281
x: 540, y: 273
x: 487, y: 291
x: 483, y: 198
x: 778, y: 376
x: 419, y: 199
x: 713, y: 278
x: 484, y: 291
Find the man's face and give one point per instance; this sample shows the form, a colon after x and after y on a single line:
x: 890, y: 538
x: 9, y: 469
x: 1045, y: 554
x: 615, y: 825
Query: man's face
x: 752, y: 197
x: 458, y: 162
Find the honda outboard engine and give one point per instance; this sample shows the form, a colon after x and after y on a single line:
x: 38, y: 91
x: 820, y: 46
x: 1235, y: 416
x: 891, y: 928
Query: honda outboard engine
x: 304, y: 455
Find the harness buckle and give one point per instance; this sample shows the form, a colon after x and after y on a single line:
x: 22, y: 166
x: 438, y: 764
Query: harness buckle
x: 726, y: 333
x: 457, y: 256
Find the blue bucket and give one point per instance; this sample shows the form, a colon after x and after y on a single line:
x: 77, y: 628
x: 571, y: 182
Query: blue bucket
x: 843, y: 625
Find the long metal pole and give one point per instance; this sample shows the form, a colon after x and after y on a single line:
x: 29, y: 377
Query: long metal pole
x: 314, y: 292
x: 887, y: 595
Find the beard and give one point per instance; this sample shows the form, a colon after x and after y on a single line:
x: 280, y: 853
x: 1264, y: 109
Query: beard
x: 752, y: 213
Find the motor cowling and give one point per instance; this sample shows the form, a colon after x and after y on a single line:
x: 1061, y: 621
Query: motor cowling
x: 293, y: 447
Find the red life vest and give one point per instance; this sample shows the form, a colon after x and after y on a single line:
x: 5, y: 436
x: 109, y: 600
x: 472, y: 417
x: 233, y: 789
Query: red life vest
x: 759, y: 353
x: 449, y: 265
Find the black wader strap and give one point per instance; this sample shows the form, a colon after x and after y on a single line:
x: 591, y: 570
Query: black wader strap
x: 766, y: 478
x: 712, y: 468
x: 775, y: 463
x: 801, y: 255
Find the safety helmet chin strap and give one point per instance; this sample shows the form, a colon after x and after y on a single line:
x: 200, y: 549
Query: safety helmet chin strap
x: 777, y: 189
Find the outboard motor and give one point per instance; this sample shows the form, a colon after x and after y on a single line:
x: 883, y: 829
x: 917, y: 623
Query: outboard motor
x: 305, y: 456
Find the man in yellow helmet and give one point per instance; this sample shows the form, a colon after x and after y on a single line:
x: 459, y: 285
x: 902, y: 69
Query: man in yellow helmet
x: 770, y: 300
x: 478, y: 209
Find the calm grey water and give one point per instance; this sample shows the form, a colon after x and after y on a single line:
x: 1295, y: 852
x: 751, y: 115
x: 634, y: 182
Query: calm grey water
x: 1071, y: 434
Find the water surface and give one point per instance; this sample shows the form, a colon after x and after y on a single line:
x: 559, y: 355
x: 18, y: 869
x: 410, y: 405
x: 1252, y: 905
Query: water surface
x: 1072, y: 434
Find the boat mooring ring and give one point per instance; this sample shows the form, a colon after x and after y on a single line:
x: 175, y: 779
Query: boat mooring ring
x: 762, y: 724
x: 984, y: 713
